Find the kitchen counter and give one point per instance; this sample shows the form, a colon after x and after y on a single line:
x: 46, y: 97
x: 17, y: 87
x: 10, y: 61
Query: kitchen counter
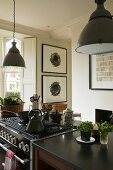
x: 79, y: 156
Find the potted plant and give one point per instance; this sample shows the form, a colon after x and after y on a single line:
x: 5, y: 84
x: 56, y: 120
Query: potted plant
x: 104, y: 128
x: 11, y: 104
x: 85, y: 129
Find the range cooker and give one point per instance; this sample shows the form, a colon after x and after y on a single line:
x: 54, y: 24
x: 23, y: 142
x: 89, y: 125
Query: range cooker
x: 13, y: 136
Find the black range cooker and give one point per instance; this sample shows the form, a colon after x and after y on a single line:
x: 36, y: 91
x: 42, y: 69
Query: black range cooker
x: 13, y: 136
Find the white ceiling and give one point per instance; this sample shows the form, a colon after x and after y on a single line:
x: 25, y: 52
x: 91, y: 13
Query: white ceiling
x: 49, y: 15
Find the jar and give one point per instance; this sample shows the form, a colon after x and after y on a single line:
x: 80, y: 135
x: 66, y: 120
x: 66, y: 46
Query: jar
x: 68, y: 116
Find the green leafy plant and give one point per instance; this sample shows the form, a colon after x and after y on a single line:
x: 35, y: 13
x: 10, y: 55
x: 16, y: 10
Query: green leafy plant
x: 105, y: 127
x: 8, y: 93
x: 11, y: 100
x: 85, y: 126
x: 1, y: 101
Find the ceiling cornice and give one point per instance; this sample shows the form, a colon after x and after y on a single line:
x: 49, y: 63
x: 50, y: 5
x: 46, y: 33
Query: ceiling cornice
x: 63, y: 31
x: 67, y: 27
x: 6, y: 25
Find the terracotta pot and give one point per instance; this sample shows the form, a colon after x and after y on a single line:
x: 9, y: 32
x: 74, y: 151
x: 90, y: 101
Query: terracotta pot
x: 11, y: 110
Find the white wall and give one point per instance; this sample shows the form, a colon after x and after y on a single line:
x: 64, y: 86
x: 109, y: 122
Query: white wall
x: 1, y: 75
x: 85, y: 100
x: 60, y: 43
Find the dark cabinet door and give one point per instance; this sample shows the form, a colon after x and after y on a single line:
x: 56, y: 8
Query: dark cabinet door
x: 45, y: 161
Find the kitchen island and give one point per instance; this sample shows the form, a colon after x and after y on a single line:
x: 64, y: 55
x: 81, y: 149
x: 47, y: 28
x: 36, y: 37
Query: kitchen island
x: 63, y: 152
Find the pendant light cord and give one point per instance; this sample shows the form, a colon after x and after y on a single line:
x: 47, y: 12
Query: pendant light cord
x: 13, y: 57
x: 14, y: 22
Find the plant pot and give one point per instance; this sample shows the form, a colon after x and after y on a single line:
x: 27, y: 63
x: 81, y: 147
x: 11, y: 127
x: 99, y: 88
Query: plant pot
x: 104, y: 137
x: 85, y: 136
x: 13, y: 109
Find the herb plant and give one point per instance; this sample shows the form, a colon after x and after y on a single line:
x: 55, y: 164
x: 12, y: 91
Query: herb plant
x: 86, y: 126
x: 13, y: 100
x: 105, y: 127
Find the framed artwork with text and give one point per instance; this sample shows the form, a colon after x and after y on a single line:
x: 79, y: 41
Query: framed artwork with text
x: 101, y: 72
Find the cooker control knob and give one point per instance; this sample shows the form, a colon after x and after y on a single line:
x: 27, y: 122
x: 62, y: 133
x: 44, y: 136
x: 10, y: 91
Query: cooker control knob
x: 21, y: 144
x: 10, y: 138
x: 26, y: 148
x: 1, y: 132
x: 4, y: 134
x: 7, y: 136
x: 13, y: 140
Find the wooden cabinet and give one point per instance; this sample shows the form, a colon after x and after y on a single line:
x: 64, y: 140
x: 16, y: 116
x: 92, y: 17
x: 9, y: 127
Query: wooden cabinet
x: 45, y: 161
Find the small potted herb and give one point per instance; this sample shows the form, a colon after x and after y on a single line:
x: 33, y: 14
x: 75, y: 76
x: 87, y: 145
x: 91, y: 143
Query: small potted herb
x: 104, y: 128
x: 85, y: 129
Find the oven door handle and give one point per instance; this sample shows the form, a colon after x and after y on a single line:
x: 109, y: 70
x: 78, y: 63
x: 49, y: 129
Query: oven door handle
x: 19, y: 159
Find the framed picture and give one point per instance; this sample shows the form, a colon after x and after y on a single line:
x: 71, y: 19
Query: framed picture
x: 101, y: 72
x: 54, y: 59
x: 54, y: 89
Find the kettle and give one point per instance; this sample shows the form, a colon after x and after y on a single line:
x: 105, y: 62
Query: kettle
x: 35, y: 123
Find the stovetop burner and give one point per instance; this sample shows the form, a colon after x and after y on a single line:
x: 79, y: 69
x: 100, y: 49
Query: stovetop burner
x: 50, y: 128
x: 21, y: 122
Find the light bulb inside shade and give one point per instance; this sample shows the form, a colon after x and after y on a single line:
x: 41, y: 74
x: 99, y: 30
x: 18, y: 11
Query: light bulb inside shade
x: 97, y: 35
x: 96, y: 48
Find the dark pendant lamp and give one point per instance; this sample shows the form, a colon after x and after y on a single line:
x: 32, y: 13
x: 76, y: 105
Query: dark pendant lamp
x: 97, y: 35
x: 13, y: 58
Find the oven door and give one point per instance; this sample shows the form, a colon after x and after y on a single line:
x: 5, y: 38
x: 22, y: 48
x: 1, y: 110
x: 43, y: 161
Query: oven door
x: 2, y: 154
x: 23, y: 160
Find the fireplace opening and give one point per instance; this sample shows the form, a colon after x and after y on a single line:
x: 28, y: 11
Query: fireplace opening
x: 103, y: 115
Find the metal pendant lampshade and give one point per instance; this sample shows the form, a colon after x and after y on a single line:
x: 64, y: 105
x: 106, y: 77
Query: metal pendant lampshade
x: 97, y: 35
x: 13, y: 58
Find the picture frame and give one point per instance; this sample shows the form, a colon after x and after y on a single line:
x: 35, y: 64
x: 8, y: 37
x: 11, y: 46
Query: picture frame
x: 54, y: 59
x: 54, y: 89
x: 101, y: 72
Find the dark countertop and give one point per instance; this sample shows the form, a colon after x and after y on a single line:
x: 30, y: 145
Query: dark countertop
x: 81, y: 156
